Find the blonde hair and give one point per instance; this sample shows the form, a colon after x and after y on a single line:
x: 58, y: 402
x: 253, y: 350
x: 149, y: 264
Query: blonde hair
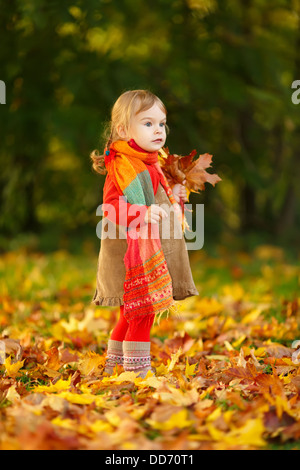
x: 128, y: 105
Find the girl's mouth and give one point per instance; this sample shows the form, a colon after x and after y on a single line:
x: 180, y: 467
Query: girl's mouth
x: 157, y: 140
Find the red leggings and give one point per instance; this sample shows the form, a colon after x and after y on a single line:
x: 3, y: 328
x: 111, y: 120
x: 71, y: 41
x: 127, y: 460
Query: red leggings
x: 135, y: 330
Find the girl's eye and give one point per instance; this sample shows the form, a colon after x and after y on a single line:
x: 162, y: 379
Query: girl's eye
x: 148, y: 124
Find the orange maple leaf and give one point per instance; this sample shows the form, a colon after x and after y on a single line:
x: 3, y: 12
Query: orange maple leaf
x: 178, y: 168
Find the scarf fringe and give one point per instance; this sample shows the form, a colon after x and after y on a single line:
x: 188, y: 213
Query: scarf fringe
x: 172, y: 310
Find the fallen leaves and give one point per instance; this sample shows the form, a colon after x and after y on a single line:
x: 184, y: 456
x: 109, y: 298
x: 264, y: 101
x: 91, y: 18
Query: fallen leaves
x: 225, y: 370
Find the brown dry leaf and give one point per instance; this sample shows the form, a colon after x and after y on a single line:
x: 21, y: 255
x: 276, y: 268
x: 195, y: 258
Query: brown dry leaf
x: 278, y: 350
x: 91, y: 363
x: 179, y: 168
x: 249, y: 372
x: 11, y: 347
x: 269, y: 383
x: 53, y: 361
x: 196, y: 176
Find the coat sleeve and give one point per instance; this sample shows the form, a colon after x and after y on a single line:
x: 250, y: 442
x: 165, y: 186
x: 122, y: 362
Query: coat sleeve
x: 118, y: 210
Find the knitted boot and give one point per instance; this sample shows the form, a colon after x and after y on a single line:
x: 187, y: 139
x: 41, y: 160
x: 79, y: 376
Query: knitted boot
x: 137, y: 357
x: 114, y: 355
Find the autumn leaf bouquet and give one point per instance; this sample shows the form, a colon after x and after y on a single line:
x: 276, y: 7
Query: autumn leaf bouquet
x: 187, y: 171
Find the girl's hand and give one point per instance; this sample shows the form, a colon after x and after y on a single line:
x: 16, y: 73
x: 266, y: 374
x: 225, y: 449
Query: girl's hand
x: 179, y: 192
x: 154, y: 214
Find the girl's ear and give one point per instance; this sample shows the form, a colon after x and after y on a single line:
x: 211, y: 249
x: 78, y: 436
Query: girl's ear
x: 122, y: 131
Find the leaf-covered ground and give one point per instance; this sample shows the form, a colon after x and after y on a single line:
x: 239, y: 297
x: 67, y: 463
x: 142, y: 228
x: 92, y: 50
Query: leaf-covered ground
x: 227, y: 376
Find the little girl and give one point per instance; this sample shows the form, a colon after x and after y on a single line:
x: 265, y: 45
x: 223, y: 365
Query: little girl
x: 139, y: 269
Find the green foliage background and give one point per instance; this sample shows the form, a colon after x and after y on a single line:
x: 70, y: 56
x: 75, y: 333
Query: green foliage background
x: 224, y: 70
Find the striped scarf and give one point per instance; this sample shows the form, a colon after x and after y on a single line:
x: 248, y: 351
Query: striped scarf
x: 148, y: 284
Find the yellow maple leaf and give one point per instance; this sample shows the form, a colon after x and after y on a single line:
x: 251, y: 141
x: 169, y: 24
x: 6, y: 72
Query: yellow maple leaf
x: 281, y: 403
x: 161, y: 369
x: 57, y: 387
x: 178, y: 420
x: 68, y: 423
x: 250, y: 434
x: 81, y: 398
x: 101, y: 426
x: 124, y: 377
x: 214, y: 415
x: 174, y: 359
x: 12, y: 369
x: 189, y: 369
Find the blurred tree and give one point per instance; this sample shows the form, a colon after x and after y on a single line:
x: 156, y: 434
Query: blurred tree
x: 224, y: 70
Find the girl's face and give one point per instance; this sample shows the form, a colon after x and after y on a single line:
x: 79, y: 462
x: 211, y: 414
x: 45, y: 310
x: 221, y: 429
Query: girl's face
x: 148, y: 129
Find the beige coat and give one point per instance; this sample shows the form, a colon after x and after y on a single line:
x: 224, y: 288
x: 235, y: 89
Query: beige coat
x: 111, y: 268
